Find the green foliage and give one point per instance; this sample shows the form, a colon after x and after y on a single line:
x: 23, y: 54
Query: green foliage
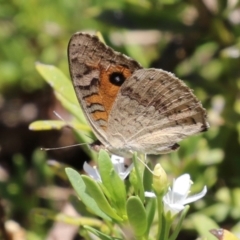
x: 137, y: 216
x: 112, y: 183
x: 198, y: 42
x: 65, y: 93
x: 109, y: 197
x: 18, y: 189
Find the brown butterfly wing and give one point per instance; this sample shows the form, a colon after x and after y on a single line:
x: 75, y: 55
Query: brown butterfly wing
x: 153, y: 111
x: 92, y: 67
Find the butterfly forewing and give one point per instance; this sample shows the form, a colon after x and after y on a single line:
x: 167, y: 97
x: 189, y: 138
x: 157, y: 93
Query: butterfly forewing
x: 92, y: 65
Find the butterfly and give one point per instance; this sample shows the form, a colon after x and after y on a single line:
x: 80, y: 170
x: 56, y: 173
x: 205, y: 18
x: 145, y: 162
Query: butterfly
x: 131, y: 108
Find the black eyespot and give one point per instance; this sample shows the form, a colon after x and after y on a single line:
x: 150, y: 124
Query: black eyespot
x: 117, y: 78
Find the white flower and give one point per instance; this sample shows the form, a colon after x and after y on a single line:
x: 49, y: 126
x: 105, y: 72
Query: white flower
x: 119, y: 166
x: 92, y: 171
x: 149, y: 194
x: 177, y: 197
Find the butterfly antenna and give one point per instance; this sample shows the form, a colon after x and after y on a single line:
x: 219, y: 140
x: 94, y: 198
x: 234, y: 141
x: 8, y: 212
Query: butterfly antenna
x: 143, y: 162
x: 57, y: 148
x: 58, y: 116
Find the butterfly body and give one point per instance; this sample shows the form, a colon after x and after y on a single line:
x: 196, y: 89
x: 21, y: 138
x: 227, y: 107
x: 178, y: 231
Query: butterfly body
x: 131, y: 108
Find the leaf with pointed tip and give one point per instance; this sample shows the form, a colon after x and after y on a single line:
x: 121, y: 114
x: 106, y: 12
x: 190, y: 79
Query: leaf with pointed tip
x: 112, y: 182
x: 81, y: 190
x: 64, y: 92
x: 63, y: 89
x: 96, y: 193
x: 150, y: 211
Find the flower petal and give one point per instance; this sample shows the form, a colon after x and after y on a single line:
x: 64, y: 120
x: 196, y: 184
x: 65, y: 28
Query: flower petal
x: 149, y: 194
x: 177, y: 197
x: 92, y: 172
x: 196, y: 197
x: 173, y: 208
x: 119, y: 166
x: 182, y: 184
x: 181, y: 188
x: 124, y: 174
x: 116, y: 159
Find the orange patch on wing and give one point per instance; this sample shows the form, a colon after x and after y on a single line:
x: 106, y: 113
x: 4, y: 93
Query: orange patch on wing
x: 100, y: 115
x: 95, y: 98
x: 97, y: 115
x: 107, y: 90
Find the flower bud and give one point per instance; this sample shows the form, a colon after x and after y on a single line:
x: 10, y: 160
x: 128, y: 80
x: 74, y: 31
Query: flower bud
x: 160, y: 180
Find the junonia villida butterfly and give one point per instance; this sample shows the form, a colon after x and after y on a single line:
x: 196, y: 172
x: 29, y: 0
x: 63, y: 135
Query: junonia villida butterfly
x: 131, y: 108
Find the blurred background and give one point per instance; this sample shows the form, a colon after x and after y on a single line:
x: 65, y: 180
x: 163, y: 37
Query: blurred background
x: 198, y: 40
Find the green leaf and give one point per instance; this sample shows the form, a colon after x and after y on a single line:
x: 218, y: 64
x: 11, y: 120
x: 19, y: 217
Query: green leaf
x: 64, y: 218
x: 58, y: 81
x: 55, y: 124
x: 47, y: 125
x: 99, y: 234
x: 74, y: 109
x: 137, y: 215
x: 147, y: 179
x: 203, y: 224
x: 81, y: 189
x: 139, y: 177
x: 150, y: 211
x: 134, y: 181
x: 65, y: 93
x: 96, y: 193
x: 112, y: 182
x: 168, y: 219
x: 63, y: 89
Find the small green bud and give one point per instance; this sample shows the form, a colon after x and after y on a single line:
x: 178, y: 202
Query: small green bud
x: 160, y: 180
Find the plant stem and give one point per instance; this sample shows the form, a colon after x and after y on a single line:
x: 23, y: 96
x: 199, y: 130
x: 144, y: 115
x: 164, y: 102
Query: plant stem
x: 179, y: 225
x: 160, y: 225
x: 167, y: 228
x: 139, y: 177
